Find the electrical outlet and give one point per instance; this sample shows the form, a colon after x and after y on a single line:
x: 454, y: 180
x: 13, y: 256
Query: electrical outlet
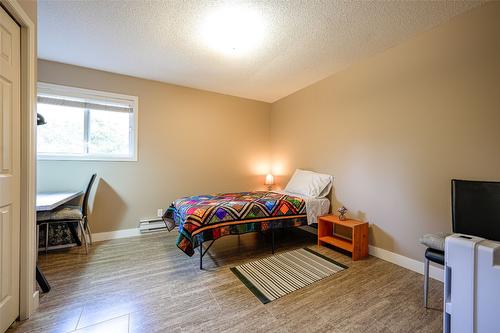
x: 159, y: 212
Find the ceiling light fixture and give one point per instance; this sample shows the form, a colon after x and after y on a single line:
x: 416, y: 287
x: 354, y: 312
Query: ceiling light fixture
x: 233, y: 30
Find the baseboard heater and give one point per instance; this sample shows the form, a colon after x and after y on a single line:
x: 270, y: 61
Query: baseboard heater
x: 151, y: 225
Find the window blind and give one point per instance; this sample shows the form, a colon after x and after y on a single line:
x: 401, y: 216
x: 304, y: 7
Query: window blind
x: 91, y: 105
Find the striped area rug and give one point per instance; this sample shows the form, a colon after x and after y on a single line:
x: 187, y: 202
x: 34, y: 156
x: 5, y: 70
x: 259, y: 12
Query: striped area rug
x: 275, y: 276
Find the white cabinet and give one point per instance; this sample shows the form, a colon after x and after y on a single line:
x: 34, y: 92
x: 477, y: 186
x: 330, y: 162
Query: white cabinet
x: 472, y: 285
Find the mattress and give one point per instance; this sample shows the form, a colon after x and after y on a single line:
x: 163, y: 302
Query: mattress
x: 209, y: 217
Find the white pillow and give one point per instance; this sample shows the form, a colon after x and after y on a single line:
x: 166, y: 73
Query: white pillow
x: 309, y: 183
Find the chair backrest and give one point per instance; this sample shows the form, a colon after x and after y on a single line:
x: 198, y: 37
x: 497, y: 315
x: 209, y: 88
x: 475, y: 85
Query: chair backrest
x: 85, y: 203
x: 476, y: 208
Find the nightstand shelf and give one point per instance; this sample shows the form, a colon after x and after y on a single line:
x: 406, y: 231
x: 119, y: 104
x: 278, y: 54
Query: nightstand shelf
x: 357, y: 243
x: 337, y: 241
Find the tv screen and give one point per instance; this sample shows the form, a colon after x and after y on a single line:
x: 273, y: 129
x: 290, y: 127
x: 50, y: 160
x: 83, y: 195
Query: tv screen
x: 476, y: 208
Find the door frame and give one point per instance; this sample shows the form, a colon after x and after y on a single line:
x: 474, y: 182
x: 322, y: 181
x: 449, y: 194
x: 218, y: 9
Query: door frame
x: 28, y: 293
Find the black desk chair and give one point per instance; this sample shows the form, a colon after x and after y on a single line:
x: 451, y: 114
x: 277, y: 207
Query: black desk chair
x: 434, y: 253
x: 475, y: 211
x: 71, y: 215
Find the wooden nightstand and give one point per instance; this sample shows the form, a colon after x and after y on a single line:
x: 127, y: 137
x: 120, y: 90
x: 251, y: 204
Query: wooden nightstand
x: 357, y: 244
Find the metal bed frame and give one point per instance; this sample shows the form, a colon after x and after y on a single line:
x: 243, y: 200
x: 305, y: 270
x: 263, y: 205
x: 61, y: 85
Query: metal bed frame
x: 202, y: 253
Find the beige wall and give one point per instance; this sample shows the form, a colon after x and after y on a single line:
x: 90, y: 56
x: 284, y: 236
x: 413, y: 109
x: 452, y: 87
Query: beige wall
x: 190, y: 142
x: 30, y: 7
x: 395, y: 129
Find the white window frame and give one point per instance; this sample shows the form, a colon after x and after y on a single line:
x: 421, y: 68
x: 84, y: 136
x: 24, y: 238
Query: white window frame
x: 133, y: 101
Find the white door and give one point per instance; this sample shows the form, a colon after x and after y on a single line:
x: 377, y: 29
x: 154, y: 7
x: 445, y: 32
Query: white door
x: 10, y: 56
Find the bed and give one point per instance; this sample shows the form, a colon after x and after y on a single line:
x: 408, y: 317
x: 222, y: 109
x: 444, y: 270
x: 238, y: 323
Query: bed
x: 206, y: 218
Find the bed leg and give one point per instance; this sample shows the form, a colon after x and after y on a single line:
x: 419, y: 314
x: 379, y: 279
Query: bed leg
x: 272, y: 240
x: 201, y: 256
x: 202, y: 253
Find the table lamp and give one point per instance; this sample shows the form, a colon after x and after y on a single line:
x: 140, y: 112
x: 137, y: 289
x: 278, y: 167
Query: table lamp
x: 269, y: 181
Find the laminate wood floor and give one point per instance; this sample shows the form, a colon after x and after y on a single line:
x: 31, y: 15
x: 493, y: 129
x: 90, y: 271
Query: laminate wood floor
x: 145, y: 284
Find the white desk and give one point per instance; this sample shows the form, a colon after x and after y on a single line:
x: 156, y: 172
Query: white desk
x: 48, y: 201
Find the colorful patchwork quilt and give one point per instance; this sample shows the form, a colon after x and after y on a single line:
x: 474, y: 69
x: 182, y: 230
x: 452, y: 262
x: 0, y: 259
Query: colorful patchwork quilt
x: 208, y: 217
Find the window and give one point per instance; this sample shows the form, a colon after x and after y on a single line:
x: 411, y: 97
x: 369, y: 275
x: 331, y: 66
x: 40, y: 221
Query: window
x: 85, y: 124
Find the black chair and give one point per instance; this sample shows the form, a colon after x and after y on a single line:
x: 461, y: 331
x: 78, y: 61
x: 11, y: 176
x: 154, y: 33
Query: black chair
x: 85, y: 207
x: 475, y: 211
x: 433, y: 253
x: 437, y: 257
x: 70, y: 215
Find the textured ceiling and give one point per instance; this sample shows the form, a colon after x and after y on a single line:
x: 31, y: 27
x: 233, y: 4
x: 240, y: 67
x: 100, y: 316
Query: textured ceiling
x: 304, y: 41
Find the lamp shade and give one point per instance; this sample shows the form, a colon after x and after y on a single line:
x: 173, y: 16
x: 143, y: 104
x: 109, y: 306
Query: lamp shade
x: 269, y: 179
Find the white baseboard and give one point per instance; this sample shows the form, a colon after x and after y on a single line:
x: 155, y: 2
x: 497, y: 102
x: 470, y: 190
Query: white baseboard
x: 124, y: 233
x: 408, y: 263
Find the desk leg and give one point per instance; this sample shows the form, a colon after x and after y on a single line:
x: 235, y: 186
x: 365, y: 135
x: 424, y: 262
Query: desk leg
x: 42, y: 281
x: 74, y: 232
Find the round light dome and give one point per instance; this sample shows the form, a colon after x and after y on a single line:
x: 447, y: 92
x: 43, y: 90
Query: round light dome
x: 233, y: 30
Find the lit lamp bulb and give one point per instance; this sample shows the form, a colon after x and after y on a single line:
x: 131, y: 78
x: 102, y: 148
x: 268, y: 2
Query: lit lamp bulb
x: 269, y: 181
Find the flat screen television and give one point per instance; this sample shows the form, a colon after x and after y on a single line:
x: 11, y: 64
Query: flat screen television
x: 476, y: 208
